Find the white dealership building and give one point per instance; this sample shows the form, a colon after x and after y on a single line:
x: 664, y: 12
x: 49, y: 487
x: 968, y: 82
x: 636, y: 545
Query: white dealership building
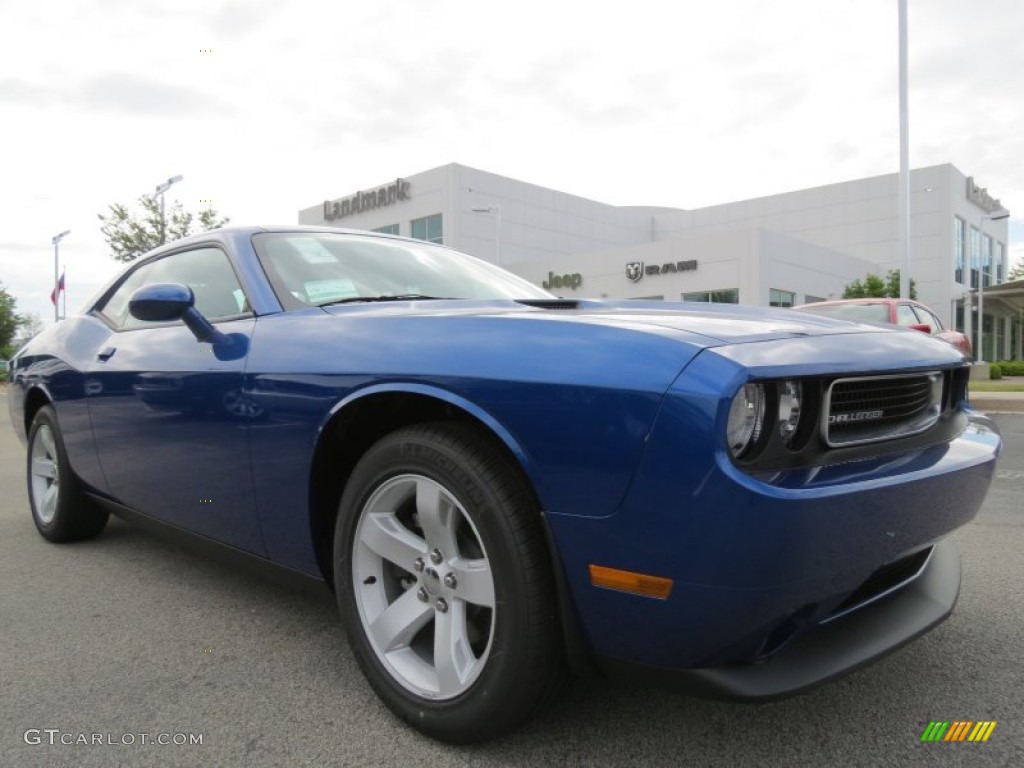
x: 780, y: 250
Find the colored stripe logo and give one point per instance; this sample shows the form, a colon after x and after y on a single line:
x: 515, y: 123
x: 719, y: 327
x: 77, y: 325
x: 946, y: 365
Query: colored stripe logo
x: 958, y: 730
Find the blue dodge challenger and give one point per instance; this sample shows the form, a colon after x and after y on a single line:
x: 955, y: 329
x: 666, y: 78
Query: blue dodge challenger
x: 501, y: 485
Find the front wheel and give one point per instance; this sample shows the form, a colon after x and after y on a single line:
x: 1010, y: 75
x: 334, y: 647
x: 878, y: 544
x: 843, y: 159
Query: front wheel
x: 61, y: 511
x: 444, y: 583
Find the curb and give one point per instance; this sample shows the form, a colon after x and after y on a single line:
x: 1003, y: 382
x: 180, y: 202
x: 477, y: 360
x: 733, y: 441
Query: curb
x: 993, y: 405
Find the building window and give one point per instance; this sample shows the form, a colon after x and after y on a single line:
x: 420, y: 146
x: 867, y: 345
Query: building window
x: 724, y: 296
x: 808, y: 299
x: 1000, y: 259
x: 428, y: 228
x: 975, y: 256
x: 777, y: 298
x: 390, y: 229
x: 986, y: 259
x: 960, y: 247
x: 660, y: 297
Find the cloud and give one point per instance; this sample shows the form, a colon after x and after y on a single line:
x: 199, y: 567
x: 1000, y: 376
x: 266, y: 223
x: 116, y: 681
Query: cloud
x: 238, y: 19
x: 127, y: 94
x: 24, y: 93
x: 123, y: 94
x: 562, y: 84
x: 15, y: 246
x: 395, y: 99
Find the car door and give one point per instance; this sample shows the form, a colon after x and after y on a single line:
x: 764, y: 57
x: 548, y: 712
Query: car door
x: 168, y: 412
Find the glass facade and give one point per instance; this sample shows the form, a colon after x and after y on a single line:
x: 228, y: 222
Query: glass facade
x: 808, y: 299
x: 428, y: 228
x: 959, y: 247
x: 986, y: 259
x: 999, y: 257
x: 390, y: 229
x: 975, y: 256
x: 724, y: 296
x: 779, y: 298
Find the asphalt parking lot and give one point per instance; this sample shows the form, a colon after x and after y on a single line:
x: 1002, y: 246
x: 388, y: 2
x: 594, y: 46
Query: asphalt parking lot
x: 132, y: 635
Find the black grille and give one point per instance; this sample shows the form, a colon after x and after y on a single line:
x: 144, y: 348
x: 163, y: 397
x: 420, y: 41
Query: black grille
x: 882, y: 407
x: 550, y: 303
x: 885, y: 579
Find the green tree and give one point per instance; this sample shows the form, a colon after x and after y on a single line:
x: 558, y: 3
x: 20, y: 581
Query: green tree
x: 130, y: 235
x: 1017, y: 271
x: 875, y: 287
x: 31, y: 325
x: 10, y: 321
x: 872, y: 287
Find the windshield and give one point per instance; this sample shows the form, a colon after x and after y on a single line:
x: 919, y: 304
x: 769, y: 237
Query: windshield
x: 320, y: 268
x: 856, y: 313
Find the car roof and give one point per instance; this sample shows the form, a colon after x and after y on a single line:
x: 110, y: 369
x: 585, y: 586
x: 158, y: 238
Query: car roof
x: 230, y: 232
x: 871, y: 300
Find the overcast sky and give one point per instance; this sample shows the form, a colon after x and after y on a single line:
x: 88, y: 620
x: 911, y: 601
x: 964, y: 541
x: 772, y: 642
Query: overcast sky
x: 266, y: 107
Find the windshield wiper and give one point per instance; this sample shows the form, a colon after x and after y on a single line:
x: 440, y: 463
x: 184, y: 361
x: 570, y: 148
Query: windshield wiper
x: 399, y: 297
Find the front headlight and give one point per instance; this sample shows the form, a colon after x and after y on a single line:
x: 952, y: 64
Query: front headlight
x: 746, y: 418
x: 790, y: 399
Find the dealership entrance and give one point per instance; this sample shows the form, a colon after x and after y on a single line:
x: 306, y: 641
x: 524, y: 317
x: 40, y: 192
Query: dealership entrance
x: 1002, y: 329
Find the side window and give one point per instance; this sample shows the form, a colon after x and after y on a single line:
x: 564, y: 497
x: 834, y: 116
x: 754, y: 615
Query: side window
x: 905, y: 315
x: 928, y: 318
x: 116, y: 307
x: 206, y: 271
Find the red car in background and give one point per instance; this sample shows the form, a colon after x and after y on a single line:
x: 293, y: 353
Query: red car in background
x: 909, y: 314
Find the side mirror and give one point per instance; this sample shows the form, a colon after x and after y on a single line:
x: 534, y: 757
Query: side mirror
x: 922, y: 327
x: 161, y: 302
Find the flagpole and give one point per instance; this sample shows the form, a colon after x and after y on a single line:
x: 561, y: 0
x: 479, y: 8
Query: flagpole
x: 56, y: 278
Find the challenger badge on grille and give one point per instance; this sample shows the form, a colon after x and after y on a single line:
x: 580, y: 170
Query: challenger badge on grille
x: 873, y: 408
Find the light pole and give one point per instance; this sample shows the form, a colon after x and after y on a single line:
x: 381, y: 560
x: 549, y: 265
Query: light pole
x: 56, y: 277
x: 904, y: 177
x: 496, y: 210
x: 160, y: 189
x: 997, y: 216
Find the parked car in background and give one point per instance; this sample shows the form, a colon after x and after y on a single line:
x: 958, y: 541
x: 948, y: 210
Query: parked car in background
x: 499, y: 484
x: 909, y: 314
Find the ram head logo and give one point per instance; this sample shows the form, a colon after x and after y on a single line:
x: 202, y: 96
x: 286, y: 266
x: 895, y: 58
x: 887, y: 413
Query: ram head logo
x: 635, y: 270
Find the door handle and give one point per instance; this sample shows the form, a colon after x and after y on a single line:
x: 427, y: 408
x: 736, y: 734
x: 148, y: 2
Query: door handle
x: 106, y: 354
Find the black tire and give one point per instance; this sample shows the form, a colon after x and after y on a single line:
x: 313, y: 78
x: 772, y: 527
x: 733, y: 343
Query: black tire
x: 510, y: 654
x: 61, y: 511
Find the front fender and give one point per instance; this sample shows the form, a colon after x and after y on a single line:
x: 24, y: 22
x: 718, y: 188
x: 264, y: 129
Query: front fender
x: 482, y: 415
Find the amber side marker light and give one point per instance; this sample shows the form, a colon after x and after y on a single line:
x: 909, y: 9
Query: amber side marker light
x: 630, y: 581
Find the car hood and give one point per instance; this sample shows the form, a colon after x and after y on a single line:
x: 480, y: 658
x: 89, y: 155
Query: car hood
x: 704, y: 324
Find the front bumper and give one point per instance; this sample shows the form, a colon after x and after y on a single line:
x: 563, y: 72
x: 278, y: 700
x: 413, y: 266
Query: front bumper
x: 763, y: 563
x: 829, y: 650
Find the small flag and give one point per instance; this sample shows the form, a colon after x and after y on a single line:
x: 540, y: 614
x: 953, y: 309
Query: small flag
x: 57, y: 290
